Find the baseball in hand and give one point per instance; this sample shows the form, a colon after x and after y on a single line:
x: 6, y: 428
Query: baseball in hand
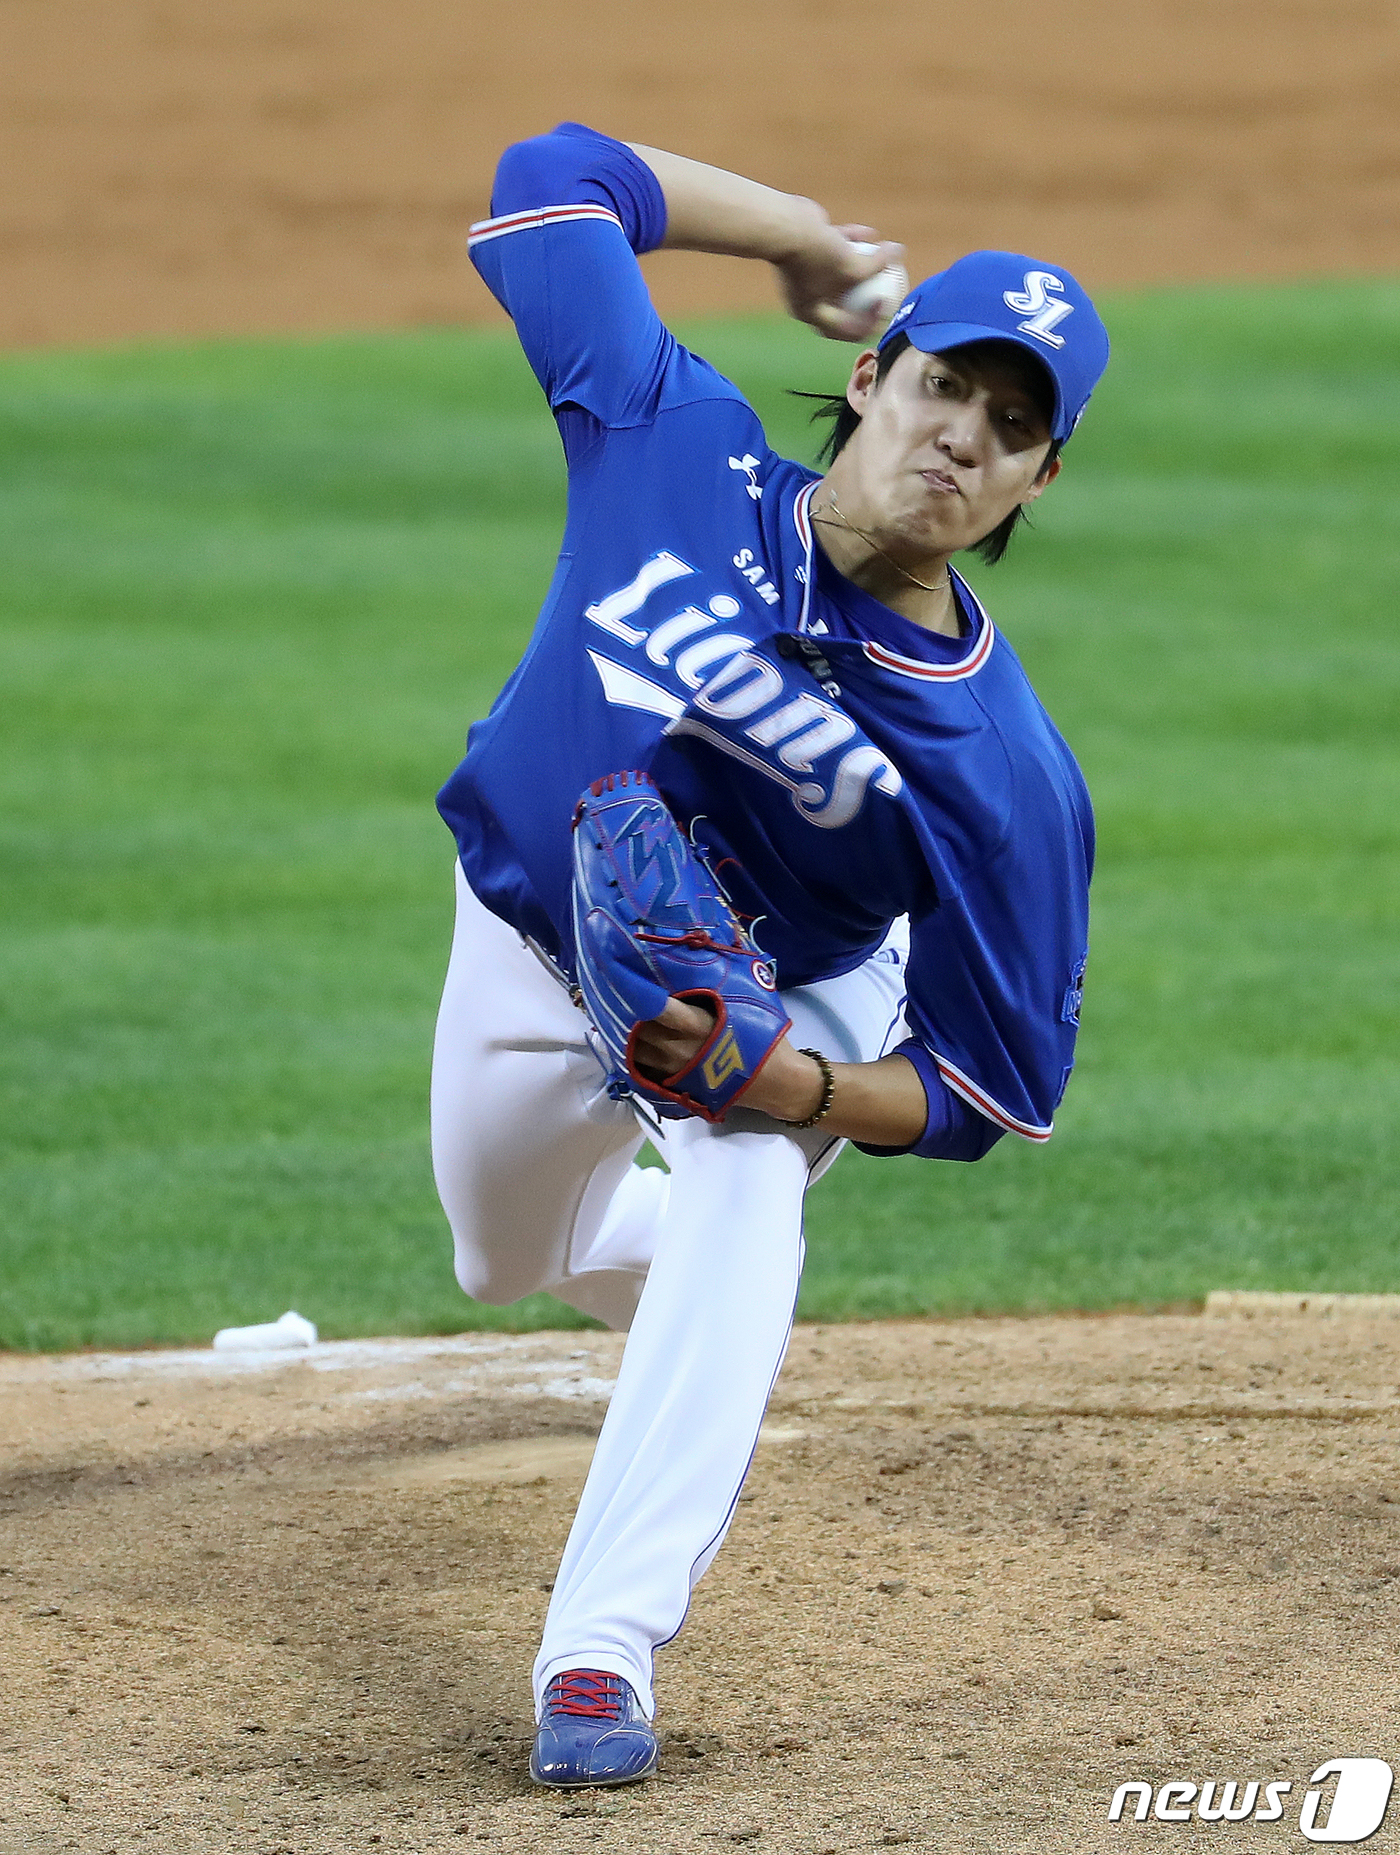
x: 885, y: 291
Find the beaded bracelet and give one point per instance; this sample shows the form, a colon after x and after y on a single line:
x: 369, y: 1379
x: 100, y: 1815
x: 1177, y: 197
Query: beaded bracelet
x: 828, y: 1090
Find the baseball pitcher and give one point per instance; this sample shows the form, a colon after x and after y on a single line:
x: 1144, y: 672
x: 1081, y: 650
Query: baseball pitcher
x: 766, y: 845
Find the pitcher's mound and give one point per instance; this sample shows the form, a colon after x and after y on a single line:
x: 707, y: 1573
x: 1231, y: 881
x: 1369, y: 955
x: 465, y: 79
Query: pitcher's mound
x: 982, y: 1573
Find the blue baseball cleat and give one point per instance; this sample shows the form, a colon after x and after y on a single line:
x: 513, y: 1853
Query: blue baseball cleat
x: 592, y: 1731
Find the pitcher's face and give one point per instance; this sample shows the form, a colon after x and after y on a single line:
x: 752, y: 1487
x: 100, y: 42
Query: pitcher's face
x: 948, y: 444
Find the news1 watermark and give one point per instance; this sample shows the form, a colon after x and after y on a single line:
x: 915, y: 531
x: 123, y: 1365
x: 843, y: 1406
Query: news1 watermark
x: 1344, y: 1800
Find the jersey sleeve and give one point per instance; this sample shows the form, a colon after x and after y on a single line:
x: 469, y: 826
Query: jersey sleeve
x: 570, y: 212
x: 993, y: 1005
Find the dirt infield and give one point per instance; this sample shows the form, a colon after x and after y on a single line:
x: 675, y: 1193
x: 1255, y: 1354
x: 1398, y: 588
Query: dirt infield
x: 176, y: 167
x: 983, y: 1572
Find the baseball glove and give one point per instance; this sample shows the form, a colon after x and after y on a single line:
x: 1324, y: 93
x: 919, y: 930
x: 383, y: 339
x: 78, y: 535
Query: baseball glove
x: 650, y: 922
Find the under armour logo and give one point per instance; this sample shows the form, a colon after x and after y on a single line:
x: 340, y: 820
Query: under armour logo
x: 1038, y: 305
x: 749, y: 465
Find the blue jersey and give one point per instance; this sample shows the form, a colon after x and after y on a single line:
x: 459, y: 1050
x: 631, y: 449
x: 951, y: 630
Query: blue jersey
x: 839, y: 764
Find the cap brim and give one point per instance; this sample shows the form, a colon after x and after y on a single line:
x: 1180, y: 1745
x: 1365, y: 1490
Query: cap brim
x: 940, y: 337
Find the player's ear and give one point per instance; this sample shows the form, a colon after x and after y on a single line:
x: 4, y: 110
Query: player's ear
x: 1044, y: 480
x: 863, y: 379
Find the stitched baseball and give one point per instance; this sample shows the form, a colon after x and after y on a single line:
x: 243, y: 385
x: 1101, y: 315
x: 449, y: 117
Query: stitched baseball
x: 885, y: 291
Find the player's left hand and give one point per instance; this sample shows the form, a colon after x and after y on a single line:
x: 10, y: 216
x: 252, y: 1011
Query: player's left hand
x: 666, y: 1045
x: 656, y: 942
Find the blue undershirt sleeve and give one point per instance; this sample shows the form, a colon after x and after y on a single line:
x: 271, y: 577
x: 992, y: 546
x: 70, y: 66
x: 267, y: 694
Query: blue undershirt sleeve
x: 953, y: 1129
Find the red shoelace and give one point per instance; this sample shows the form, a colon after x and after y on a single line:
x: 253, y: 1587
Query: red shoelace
x: 587, y: 1693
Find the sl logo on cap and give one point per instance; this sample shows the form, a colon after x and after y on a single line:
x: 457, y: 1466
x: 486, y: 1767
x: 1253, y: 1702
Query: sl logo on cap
x: 1043, y: 314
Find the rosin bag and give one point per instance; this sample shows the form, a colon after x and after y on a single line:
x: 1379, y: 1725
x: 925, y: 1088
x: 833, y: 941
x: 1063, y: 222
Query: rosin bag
x: 291, y: 1331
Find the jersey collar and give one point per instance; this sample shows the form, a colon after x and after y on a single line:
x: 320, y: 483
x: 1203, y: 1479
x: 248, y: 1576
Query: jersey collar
x: 921, y: 669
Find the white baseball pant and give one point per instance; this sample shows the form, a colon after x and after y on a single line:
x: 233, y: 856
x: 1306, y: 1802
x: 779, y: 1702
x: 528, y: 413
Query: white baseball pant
x: 701, y: 1262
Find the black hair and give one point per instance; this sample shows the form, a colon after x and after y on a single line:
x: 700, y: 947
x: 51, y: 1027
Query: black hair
x: 845, y: 419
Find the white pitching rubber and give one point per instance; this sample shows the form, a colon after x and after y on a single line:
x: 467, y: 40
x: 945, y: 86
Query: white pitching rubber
x: 283, y: 1335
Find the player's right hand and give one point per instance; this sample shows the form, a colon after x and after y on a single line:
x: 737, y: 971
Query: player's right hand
x: 824, y: 266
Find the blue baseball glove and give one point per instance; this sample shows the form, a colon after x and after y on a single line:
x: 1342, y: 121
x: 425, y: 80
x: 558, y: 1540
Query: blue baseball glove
x: 650, y: 923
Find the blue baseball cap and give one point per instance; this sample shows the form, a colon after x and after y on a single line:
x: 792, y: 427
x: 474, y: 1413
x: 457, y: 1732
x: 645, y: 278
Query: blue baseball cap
x: 1004, y: 296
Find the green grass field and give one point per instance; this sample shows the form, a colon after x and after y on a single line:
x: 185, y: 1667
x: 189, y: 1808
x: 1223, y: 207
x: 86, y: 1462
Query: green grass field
x: 252, y: 593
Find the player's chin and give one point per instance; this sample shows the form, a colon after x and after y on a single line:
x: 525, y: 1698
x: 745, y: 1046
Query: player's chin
x: 947, y: 534
x: 947, y: 523
x: 932, y: 526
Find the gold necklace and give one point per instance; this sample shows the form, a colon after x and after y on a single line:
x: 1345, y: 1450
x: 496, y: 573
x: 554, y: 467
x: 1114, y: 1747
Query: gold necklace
x: 938, y: 586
